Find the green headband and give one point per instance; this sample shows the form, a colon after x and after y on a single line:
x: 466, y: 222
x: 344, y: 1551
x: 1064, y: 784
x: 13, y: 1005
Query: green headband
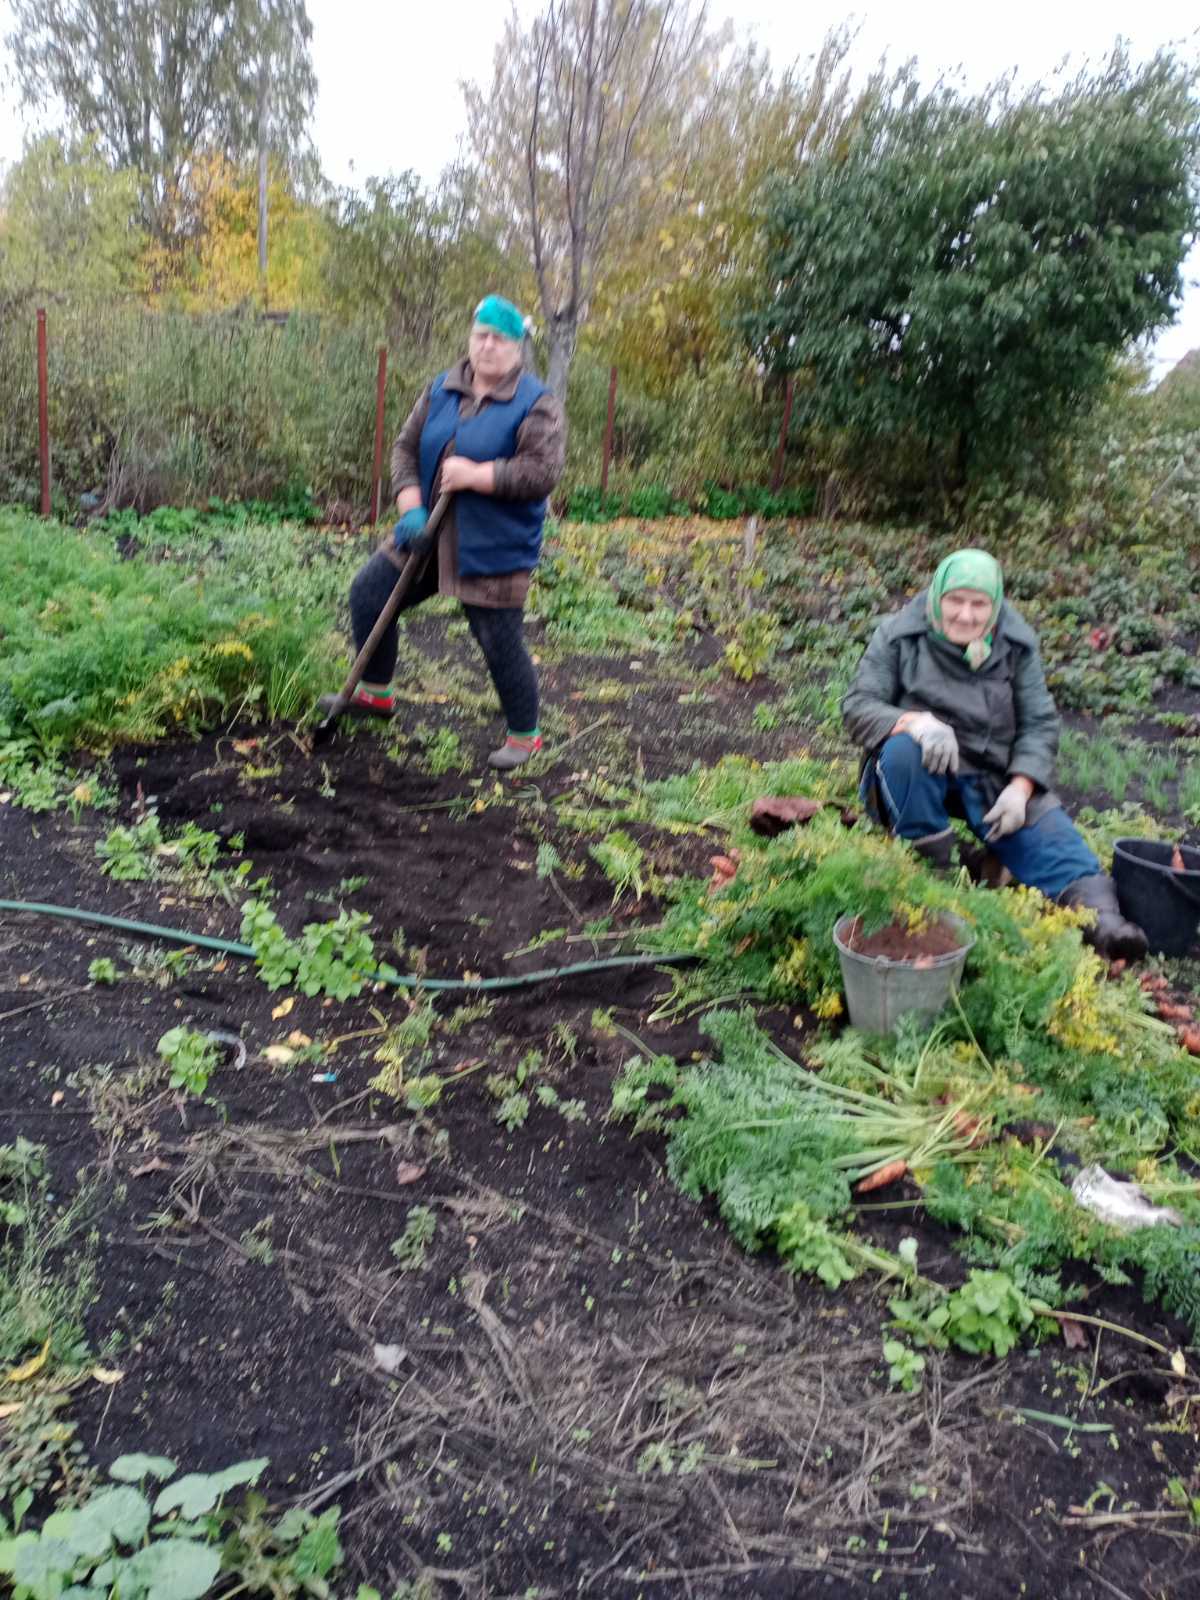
x: 494, y: 312
x: 967, y: 569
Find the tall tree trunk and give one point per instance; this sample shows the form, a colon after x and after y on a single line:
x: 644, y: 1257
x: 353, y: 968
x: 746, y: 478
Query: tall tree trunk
x: 563, y: 333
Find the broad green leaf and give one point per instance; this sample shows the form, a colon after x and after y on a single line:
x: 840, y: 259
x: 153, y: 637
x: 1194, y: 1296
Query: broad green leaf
x: 175, y: 1569
x: 60, y: 1525
x: 43, y: 1566
x: 198, y: 1492
x: 21, y: 1503
x: 133, y: 1468
x: 10, y: 1547
x: 116, y: 1515
x: 293, y: 1525
x: 175, y: 1528
x: 320, y: 1550
x: 192, y: 1495
x: 241, y: 1472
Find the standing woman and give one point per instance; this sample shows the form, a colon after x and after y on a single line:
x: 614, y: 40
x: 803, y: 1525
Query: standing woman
x: 493, y: 436
x: 951, y: 707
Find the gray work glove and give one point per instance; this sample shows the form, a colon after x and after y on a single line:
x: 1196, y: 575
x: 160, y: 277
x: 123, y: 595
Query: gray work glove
x: 1008, y: 814
x: 939, y: 747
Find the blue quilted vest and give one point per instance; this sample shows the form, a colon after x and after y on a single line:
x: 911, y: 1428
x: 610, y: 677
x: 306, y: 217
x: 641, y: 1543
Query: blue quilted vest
x: 494, y: 535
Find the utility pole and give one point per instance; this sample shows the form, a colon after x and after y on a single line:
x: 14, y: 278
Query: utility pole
x: 262, y: 176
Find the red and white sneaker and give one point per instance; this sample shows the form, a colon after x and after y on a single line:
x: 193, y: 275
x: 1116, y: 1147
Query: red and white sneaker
x: 515, y: 751
x: 362, y: 703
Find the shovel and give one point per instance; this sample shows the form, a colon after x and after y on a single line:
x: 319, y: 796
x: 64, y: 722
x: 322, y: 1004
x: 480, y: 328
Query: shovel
x: 324, y: 729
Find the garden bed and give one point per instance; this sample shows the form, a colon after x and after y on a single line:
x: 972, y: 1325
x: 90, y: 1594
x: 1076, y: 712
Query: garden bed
x: 480, y: 1317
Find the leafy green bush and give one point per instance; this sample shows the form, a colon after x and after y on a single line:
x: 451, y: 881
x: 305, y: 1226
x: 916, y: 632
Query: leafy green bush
x: 930, y: 281
x: 334, y: 958
x: 182, y: 1541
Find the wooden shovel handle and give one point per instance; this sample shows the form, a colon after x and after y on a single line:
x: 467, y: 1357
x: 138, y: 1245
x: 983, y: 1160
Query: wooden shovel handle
x: 413, y: 567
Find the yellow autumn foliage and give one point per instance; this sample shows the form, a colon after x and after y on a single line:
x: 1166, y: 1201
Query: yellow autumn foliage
x: 211, y: 263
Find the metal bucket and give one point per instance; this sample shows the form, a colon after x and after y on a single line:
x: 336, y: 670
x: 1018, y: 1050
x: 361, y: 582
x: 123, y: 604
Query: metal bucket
x: 879, y: 991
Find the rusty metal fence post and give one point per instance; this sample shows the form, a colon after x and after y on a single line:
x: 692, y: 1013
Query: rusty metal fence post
x: 777, y: 475
x: 608, y: 429
x: 43, y: 411
x: 380, y: 401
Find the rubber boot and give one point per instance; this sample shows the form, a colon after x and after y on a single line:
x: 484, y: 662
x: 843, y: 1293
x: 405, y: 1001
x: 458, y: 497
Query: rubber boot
x: 1112, y: 936
x: 983, y: 866
x: 936, y: 850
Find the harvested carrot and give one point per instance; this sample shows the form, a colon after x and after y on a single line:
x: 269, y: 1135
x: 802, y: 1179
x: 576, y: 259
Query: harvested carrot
x: 1170, y: 1013
x: 1074, y: 1334
x: 881, y: 1177
x: 1154, y: 982
x: 969, y: 1128
x: 1189, y: 1038
x: 1178, y: 864
x: 724, y: 870
x: 1116, y: 968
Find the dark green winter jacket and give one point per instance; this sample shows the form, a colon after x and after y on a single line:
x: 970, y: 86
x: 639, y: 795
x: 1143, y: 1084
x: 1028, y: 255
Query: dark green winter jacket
x: 1003, y: 713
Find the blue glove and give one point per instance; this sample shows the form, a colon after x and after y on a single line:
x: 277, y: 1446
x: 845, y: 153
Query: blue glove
x: 408, y: 530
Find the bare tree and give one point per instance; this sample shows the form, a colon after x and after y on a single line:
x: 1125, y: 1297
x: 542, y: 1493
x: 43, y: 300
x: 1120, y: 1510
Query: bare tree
x: 586, y: 109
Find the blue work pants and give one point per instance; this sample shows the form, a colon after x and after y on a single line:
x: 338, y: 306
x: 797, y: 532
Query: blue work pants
x: 1048, y: 854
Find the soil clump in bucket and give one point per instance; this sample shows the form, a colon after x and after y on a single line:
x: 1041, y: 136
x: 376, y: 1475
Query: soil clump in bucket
x: 898, y: 943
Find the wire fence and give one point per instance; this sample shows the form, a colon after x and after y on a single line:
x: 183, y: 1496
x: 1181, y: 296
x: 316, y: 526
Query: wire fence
x: 147, y: 407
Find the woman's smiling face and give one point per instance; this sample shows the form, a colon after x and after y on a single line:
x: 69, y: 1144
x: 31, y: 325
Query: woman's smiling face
x: 966, y: 614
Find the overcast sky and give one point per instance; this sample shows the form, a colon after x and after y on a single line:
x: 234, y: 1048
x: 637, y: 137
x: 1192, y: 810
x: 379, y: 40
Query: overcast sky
x: 388, y: 77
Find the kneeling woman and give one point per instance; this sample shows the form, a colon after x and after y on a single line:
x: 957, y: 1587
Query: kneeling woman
x: 951, y: 706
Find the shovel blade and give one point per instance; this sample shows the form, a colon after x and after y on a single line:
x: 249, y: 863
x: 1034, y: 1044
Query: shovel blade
x: 327, y: 727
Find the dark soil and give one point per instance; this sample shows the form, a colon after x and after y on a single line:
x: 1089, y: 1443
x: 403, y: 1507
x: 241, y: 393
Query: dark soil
x: 897, y: 943
x: 586, y: 1388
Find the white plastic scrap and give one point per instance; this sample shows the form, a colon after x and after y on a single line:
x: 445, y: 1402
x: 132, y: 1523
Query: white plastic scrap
x: 390, y: 1357
x: 1123, y: 1204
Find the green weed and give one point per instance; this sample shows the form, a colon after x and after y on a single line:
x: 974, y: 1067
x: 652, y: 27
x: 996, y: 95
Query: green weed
x: 411, y: 1249
x: 443, y: 750
x: 406, y: 1052
x: 130, y: 854
x: 752, y: 648
x: 905, y: 1366
x: 42, y: 1305
x: 623, y: 862
x: 334, y: 958
x: 1158, y: 772
x: 1189, y: 793
x: 192, y: 1058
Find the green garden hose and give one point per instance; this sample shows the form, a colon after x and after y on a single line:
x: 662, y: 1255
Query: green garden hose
x: 153, y: 930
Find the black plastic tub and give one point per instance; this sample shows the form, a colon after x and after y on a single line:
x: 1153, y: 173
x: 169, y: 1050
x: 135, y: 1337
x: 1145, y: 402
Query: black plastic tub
x: 1164, y: 902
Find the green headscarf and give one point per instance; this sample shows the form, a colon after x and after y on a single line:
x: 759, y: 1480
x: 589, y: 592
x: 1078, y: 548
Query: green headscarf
x: 495, y: 312
x: 967, y: 569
